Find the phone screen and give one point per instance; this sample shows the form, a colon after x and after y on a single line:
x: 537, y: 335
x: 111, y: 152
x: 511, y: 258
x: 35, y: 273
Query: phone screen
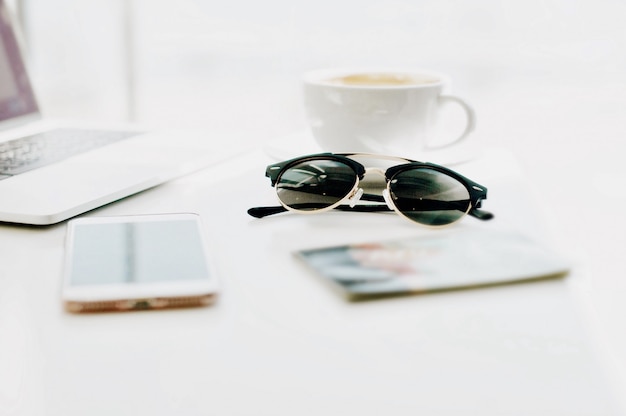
x: 137, y: 252
x: 137, y: 262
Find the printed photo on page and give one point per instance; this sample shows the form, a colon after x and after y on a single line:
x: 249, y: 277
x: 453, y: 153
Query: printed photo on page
x: 435, y: 262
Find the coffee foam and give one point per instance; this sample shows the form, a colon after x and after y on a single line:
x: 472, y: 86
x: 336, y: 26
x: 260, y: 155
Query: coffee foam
x: 382, y: 79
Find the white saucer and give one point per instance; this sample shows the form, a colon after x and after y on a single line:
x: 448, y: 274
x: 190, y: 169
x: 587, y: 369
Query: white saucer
x: 302, y: 143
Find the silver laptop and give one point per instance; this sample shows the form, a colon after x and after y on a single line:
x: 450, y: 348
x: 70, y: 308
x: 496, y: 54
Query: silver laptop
x: 51, y: 172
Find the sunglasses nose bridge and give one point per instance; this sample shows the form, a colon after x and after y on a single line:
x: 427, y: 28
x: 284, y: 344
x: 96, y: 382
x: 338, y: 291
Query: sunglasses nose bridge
x: 376, y: 171
x: 377, y: 183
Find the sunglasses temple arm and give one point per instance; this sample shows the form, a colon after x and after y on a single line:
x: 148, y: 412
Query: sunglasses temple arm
x: 480, y: 214
x: 260, y: 212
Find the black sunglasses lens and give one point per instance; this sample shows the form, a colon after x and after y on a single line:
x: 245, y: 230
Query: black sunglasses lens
x: 315, y: 184
x: 429, y: 197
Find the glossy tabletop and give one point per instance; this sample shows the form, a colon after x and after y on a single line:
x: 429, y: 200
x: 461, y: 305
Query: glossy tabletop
x: 280, y: 341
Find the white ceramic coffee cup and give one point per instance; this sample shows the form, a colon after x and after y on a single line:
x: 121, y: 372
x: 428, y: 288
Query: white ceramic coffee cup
x: 379, y: 110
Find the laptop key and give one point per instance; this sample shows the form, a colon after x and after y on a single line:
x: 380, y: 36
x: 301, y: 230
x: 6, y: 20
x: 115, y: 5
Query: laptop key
x: 32, y: 152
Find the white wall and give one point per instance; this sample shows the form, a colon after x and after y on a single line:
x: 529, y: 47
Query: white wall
x: 75, y: 56
x: 196, y: 61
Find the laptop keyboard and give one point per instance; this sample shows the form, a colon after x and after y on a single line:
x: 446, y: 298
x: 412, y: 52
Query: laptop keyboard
x: 41, y: 149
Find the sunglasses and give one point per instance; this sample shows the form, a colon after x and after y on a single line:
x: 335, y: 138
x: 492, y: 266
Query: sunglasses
x: 424, y: 193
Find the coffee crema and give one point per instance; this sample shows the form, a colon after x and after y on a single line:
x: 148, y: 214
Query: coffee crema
x: 383, y: 79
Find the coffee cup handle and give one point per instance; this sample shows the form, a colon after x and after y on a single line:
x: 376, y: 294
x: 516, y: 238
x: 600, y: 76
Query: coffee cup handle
x: 471, y: 119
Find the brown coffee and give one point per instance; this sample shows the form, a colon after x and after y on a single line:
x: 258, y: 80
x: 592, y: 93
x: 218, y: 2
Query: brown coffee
x: 383, y: 79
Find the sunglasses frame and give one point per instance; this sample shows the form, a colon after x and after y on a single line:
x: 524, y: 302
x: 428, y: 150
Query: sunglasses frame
x: 477, y: 192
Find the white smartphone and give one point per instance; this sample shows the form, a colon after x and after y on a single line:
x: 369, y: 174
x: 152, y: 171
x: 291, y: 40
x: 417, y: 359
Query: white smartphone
x: 137, y: 262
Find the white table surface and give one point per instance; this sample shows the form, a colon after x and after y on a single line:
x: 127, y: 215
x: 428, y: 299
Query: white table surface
x: 280, y: 342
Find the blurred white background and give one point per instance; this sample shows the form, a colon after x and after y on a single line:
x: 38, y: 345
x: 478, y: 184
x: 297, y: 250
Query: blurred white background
x: 547, y: 78
x: 200, y: 62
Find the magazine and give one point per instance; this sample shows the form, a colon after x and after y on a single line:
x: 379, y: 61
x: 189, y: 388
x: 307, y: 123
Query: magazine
x: 441, y: 260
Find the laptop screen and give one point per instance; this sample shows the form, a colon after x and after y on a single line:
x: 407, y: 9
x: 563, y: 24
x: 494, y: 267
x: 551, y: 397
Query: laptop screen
x: 16, y: 93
